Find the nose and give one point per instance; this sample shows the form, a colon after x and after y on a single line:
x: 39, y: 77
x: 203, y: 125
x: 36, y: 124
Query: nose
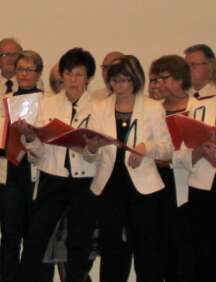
x: 73, y: 77
x: 156, y: 84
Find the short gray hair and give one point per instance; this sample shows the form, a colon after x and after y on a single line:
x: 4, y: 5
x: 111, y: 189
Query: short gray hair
x: 32, y: 56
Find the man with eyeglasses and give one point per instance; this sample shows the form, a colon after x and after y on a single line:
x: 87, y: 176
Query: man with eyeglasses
x: 107, y: 61
x: 199, y: 57
x: 9, y: 50
x: 202, y: 177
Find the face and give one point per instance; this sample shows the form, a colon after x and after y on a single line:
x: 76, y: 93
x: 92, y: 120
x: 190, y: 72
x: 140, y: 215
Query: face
x: 122, y: 85
x: 153, y: 88
x: 26, y: 74
x: 200, y: 69
x: 8, y: 55
x: 75, y: 82
x: 167, y: 86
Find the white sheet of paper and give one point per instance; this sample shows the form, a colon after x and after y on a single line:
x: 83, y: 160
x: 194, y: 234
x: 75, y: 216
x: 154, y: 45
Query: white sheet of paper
x: 24, y: 107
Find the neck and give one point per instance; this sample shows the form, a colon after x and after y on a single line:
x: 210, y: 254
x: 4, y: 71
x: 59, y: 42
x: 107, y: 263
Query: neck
x: 27, y: 88
x: 198, y: 87
x: 125, y: 103
x: 73, y: 98
x: 176, y: 103
x: 7, y: 74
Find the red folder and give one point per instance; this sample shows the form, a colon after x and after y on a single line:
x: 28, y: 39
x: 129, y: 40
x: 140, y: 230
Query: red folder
x: 191, y: 131
x: 4, y: 124
x: 57, y: 133
x: 15, y: 149
x: 3, y: 132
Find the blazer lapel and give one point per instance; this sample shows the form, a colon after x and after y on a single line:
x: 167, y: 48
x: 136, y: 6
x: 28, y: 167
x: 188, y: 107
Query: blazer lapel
x: 134, y: 123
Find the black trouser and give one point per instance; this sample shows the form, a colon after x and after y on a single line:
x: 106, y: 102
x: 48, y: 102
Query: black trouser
x: 56, y: 194
x: 16, y: 207
x: 131, y: 222
x: 202, y: 216
x: 184, y: 243
x: 170, y: 248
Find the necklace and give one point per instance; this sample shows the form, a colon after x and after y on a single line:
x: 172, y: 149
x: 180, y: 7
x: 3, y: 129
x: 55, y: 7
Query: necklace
x: 123, y: 118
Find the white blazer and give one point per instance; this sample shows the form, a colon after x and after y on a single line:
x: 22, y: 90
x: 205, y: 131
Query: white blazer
x: 51, y: 158
x: 149, y: 127
x: 201, y: 175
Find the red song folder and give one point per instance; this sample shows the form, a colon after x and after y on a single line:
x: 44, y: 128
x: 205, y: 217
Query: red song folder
x: 58, y: 133
x: 191, y: 131
x: 3, y: 132
x: 4, y: 125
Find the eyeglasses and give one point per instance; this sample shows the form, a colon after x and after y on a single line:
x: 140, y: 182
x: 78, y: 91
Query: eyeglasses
x: 160, y: 79
x: 195, y: 65
x: 27, y: 70
x: 121, y: 81
x: 8, y: 54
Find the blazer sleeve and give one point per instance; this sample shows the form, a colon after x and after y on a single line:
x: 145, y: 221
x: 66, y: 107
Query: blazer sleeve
x: 159, y: 146
x: 36, y: 149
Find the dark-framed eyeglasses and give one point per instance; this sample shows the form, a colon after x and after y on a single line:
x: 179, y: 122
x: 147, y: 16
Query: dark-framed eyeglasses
x: 27, y: 70
x: 197, y: 64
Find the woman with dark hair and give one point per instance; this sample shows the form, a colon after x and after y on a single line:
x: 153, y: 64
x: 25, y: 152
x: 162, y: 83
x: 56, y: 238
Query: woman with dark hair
x: 131, y: 193
x: 64, y: 175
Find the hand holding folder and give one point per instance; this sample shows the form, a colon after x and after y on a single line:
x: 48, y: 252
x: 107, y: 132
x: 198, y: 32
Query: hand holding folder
x: 193, y: 133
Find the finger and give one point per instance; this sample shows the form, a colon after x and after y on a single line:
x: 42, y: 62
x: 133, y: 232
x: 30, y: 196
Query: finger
x: 130, y: 160
x: 134, y: 161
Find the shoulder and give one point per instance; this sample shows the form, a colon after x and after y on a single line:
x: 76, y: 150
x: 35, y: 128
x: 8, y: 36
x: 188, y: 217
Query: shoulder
x: 47, y: 97
x: 99, y: 94
x: 104, y: 103
x: 150, y: 104
x: 205, y: 100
